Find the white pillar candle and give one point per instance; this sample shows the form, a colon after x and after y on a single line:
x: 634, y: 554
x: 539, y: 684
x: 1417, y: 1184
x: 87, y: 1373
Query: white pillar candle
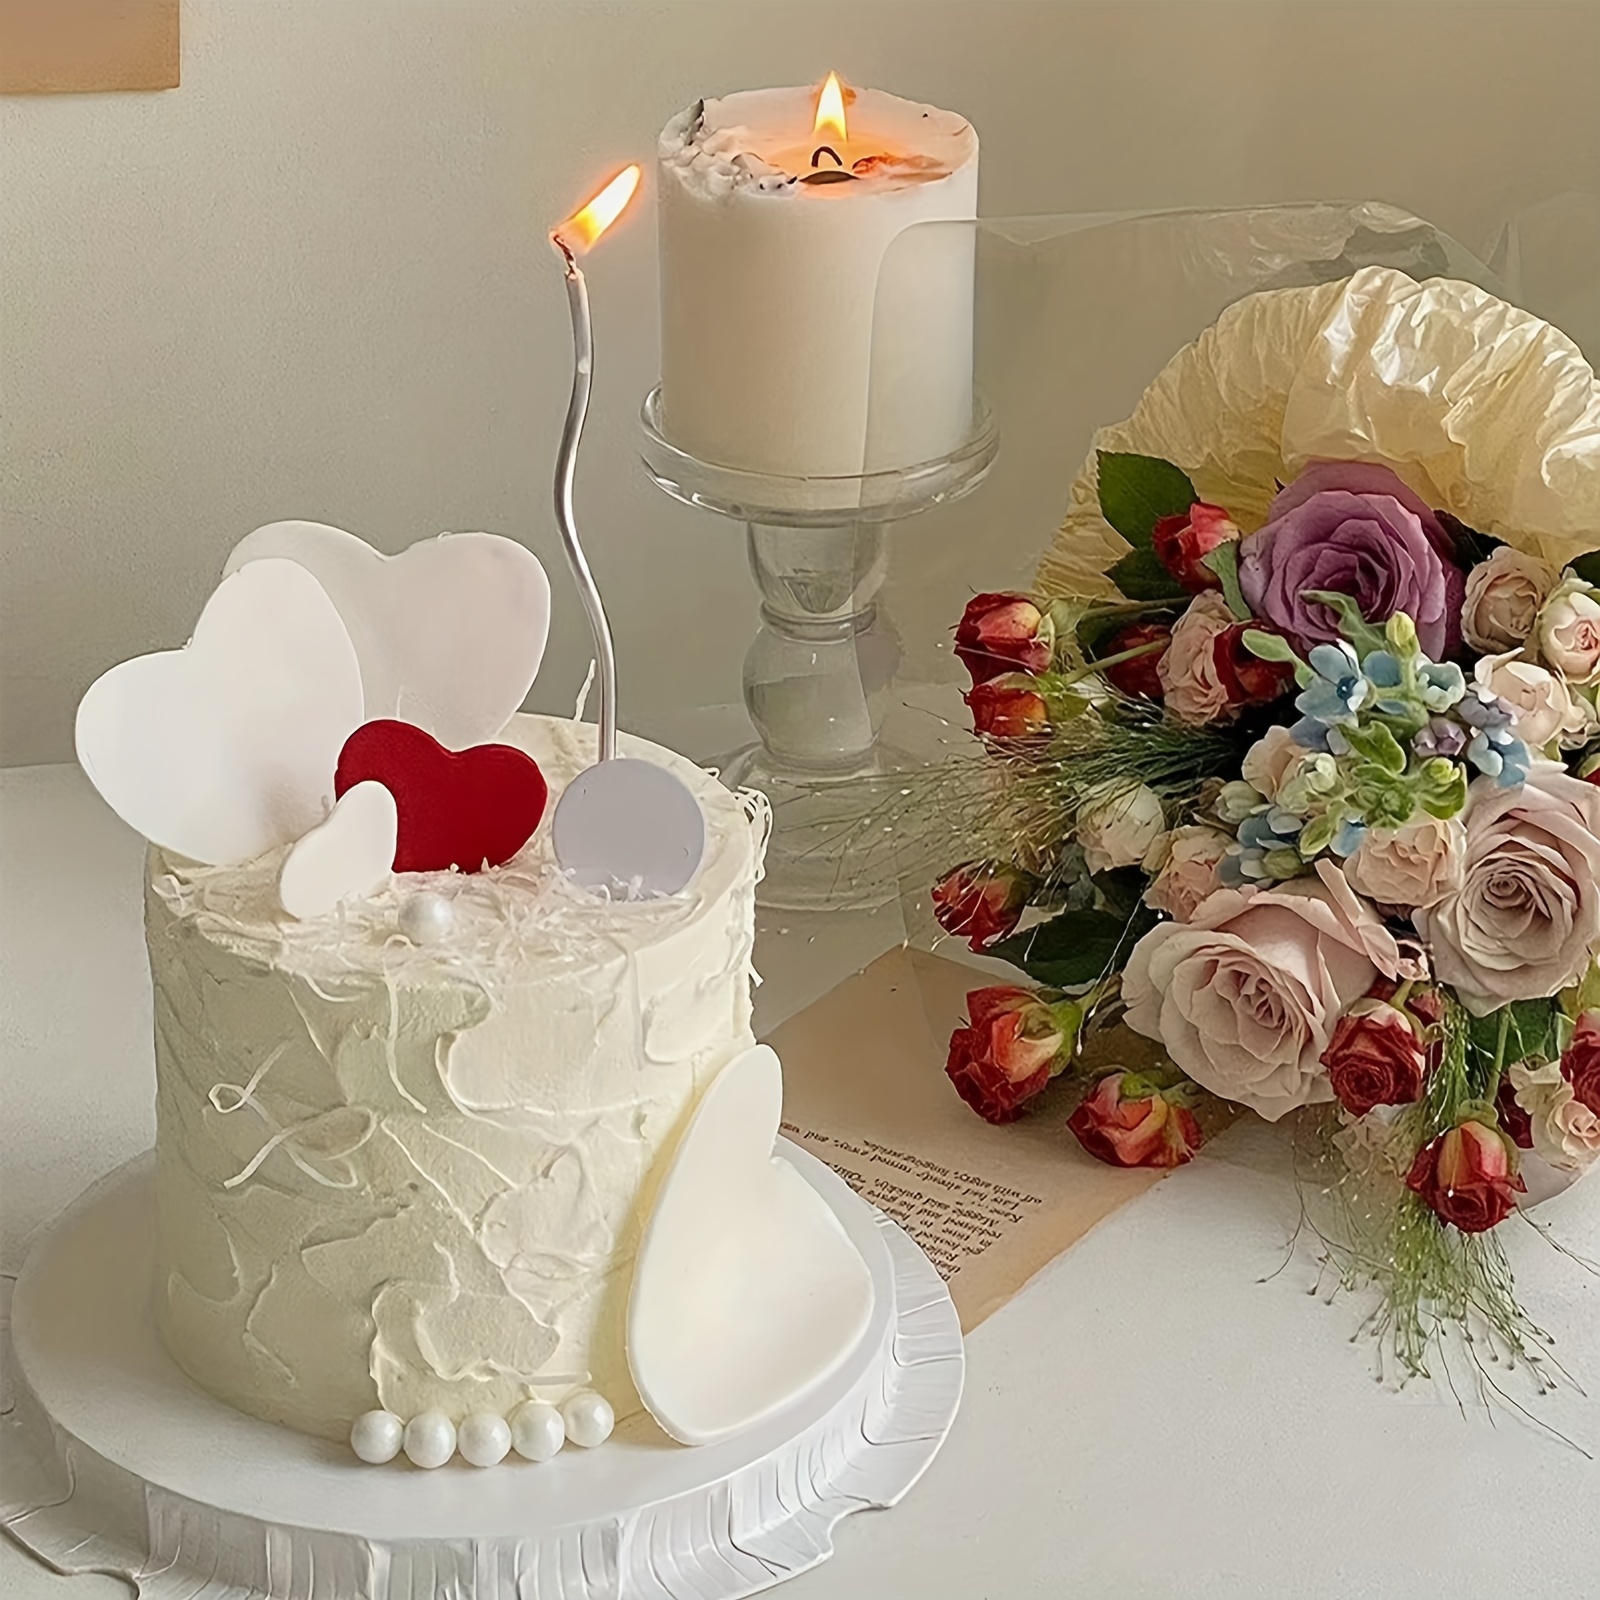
x: 771, y: 252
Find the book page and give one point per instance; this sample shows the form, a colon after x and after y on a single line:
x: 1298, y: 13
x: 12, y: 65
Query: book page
x: 865, y: 1090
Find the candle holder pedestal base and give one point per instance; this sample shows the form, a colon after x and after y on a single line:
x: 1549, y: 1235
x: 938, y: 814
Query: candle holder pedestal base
x: 818, y: 672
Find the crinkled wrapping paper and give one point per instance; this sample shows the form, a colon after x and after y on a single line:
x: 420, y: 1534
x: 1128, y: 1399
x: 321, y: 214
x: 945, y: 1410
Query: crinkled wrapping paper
x: 1483, y: 409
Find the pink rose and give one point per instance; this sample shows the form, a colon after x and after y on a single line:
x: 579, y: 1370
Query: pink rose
x: 981, y: 902
x: 1546, y: 709
x: 1001, y: 633
x: 1272, y: 761
x: 1580, y: 1065
x: 1569, y: 632
x: 1564, y: 1131
x: 1193, y: 686
x: 1525, y: 921
x: 1375, y: 1058
x: 1411, y: 866
x: 1010, y: 1050
x: 1468, y: 1176
x: 1008, y: 708
x: 1188, y: 872
x: 1127, y: 1122
x: 1182, y: 543
x: 1503, y: 598
x: 1247, y: 994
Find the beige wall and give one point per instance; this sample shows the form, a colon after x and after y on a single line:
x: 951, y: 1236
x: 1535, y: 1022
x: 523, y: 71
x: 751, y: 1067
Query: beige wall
x: 313, y: 281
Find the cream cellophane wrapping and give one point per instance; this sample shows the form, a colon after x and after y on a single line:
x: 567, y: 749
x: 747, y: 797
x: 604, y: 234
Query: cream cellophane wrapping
x: 1486, y: 411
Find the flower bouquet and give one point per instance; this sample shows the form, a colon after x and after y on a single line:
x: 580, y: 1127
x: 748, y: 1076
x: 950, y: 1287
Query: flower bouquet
x: 1292, y: 766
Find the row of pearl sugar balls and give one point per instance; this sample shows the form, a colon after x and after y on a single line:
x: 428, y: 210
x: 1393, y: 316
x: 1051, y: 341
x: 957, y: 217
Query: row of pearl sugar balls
x: 535, y: 1430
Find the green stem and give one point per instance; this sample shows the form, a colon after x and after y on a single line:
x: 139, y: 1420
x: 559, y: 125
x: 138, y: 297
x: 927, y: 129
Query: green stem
x: 1093, y: 667
x: 1500, y: 1041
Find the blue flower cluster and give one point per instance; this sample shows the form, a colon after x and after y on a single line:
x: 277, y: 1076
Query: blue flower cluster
x: 1388, y: 734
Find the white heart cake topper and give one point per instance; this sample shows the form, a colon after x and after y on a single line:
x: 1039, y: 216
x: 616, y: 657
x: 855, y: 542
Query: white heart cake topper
x: 349, y: 854
x: 747, y: 1291
x: 449, y: 633
x: 227, y: 748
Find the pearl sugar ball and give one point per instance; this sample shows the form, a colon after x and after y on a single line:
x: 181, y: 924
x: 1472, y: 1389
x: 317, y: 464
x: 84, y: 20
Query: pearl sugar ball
x: 426, y: 917
x: 537, y: 1431
x: 589, y: 1418
x: 375, y: 1436
x: 484, y: 1439
x: 430, y: 1439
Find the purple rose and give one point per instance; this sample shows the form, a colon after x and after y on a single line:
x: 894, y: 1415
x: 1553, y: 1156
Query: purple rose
x: 1354, y: 528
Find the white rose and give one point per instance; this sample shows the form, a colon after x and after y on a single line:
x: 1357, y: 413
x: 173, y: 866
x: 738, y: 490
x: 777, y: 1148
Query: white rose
x: 1188, y: 871
x: 1272, y: 761
x: 1544, y: 705
x: 1566, y: 1133
x: 1413, y: 866
x: 1569, y: 632
x: 1118, y: 825
x: 1503, y: 598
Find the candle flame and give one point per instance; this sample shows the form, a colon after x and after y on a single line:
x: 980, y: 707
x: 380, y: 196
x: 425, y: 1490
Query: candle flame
x: 580, y: 231
x: 830, y: 122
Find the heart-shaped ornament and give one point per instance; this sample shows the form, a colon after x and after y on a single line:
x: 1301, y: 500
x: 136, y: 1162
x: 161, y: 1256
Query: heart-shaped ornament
x: 449, y: 633
x: 457, y: 808
x: 226, y: 748
x: 349, y: 854
x: 747, y: 1291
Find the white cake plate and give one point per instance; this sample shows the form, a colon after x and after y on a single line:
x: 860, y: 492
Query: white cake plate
x: 113, y: 1461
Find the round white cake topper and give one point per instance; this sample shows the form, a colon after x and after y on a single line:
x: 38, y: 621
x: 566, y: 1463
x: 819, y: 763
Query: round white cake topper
x: 630, y: 827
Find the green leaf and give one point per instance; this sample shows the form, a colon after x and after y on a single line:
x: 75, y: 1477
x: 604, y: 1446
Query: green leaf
x: 1224, y: 561
x: 1352, y: 624
x: 1140, y: 575
x: 1269, y: 646
x: 1374, y: 743
x: 1530, y: 1031
x: 1588, y: 567
x: 1137, y: 491
x: 1076, y: 948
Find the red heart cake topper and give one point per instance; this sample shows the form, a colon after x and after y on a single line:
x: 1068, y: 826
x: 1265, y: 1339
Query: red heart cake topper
x: 457, y: 808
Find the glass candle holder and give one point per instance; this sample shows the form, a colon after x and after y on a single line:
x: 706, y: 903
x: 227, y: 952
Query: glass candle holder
x: 817, y: 672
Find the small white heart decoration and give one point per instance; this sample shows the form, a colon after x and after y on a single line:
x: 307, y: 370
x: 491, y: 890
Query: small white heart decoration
x: 349, y: 854
x: 227, y: 748
x: 449, y: 633
x: 747, y: 1291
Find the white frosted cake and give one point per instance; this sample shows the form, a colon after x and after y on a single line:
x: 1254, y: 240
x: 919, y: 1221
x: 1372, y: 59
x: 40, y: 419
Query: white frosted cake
x: 408, y: 1171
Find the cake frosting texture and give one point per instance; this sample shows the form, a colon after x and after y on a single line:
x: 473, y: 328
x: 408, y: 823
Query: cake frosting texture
x: 412, y: 1175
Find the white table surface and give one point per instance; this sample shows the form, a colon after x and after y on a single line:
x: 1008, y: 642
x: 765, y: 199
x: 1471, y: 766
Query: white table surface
x: 1149, y: 1418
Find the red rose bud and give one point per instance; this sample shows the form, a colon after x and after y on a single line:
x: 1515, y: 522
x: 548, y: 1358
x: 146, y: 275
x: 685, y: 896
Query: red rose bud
x: 1138, y: 676
x: 1000, y: 633
x: 1468, y: 1177
x: 1007, y: 708
x: 1515, y: 1123
x: 1375, y: 1058
x: 1580, y: 1066
x: 1127, y: 1122
x: 981, y: 902
x: 1183, y: 542
x: 1247, y: 679
x: 1013, y: 1045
